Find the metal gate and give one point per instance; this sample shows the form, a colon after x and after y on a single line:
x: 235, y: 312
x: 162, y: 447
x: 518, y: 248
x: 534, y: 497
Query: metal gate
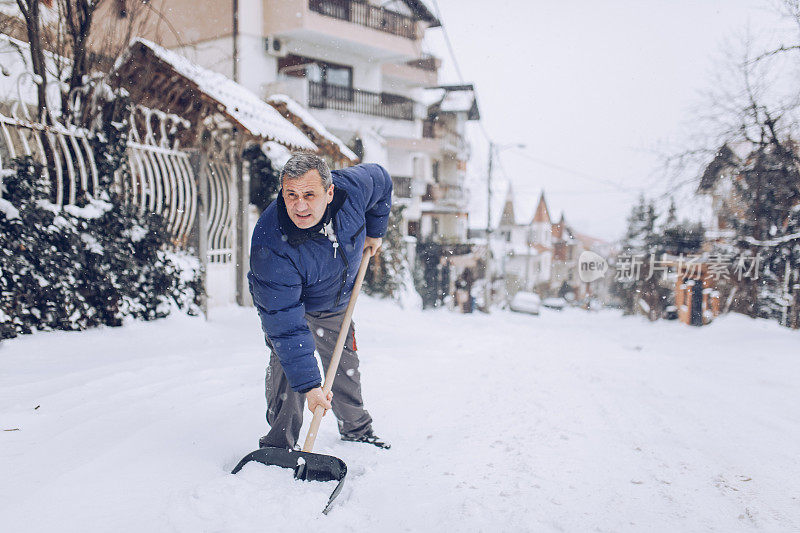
x: 217, y: 173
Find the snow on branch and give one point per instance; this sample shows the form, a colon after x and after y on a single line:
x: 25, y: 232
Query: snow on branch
x: 772, y: 242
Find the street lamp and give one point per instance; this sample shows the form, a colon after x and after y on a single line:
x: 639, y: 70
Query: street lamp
x: 493, y: 147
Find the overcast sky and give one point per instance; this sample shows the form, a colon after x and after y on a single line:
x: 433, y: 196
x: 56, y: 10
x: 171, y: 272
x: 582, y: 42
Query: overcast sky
x: 591, y: 88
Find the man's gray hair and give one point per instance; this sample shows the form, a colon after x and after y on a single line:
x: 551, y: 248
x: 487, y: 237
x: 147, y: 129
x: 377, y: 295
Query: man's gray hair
x: 299, y: 164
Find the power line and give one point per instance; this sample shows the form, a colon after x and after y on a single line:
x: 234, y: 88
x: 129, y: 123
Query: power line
x: 578, y: 173
x: 447, y: 41
x: 488, y: 137
x: 454, y: 59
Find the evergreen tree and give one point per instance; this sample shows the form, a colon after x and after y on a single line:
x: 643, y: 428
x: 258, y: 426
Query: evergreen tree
x: 645, y: 248
x: 264, y: 178
x: 387, y: 269
x: 640, y: 237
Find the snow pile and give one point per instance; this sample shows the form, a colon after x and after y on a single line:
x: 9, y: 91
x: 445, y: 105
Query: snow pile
x: 8, y: 210
x: 258, y: 117
x: 458, y: 101
x: 303, y: 114
x: 92, y: 210
x: 276, y: 153
x: 569, y: 421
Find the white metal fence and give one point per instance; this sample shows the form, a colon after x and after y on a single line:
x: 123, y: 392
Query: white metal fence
x: 160, y: 178
x: 65, y: 154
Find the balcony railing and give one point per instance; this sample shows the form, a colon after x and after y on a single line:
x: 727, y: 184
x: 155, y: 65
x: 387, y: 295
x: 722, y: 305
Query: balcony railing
x: 340, y: 98
x: 452, y: 194
x: 402, y: 186
x: 446, y: 194
x: 365, y: 14
x: 425, y: 62
x: 451, y: 139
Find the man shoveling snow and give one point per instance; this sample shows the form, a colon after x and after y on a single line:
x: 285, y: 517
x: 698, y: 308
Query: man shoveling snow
x: 305, y: 253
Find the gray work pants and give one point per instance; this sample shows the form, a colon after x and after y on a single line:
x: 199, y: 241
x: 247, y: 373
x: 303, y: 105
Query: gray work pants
x: 285, y: 406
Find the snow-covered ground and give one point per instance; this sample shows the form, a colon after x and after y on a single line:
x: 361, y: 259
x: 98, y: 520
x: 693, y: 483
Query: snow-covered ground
x: 564, y: 422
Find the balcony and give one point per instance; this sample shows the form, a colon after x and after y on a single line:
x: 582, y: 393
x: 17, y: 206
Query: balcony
x: 340, y: 98
x: 451, y: 141
x: 426, y: 62
x: 368, y: 15
x: 402, y: 186
x: 422, y: 71
x: 439, y: 193
x: 353, y: 27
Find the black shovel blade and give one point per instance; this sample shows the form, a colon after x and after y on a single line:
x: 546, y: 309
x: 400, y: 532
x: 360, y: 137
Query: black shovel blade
x: 307, y: 466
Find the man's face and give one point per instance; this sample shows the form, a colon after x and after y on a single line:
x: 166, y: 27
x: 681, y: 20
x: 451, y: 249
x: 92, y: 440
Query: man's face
x: 306, y: 199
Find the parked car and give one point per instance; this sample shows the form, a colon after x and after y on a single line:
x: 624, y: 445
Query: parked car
x: 555, y: 303
x: 526, y: 302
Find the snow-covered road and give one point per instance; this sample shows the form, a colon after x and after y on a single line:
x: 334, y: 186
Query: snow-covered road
x: 564, y: 422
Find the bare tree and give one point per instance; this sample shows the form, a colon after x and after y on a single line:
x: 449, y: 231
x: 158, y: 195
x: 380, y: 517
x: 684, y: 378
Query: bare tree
x: 63, y: 36
x: 31, y: 12
x: 78, y: 24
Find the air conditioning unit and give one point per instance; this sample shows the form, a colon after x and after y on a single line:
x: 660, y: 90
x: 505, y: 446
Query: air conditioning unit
x: 275, y: 46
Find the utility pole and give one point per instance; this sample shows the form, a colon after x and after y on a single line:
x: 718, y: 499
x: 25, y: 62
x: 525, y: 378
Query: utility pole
x: 488, y: 272
x: 487, y: 298
x: 489, y: 191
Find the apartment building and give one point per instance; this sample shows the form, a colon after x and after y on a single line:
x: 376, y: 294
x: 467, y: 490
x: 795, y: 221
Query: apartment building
x: 360, y: 69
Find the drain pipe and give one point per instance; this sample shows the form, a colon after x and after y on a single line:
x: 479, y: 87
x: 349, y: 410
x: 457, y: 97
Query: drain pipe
x: 235, y: 40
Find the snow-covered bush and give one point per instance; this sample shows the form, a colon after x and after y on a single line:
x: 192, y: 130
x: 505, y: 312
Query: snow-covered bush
x: 83, y: 266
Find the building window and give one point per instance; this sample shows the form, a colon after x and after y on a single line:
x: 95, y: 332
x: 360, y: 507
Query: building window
x: 435, y: 171
x: 316, y: 70
x: 413, y: 228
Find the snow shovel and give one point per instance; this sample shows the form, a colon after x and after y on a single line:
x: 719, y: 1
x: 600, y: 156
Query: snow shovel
x: 309, y: 466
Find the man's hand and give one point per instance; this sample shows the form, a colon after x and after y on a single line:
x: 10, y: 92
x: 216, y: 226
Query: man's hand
x: 316, y: 397
x: 372, y: 244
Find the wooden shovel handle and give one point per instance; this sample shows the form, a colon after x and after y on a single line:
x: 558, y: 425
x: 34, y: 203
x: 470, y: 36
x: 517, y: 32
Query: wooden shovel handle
x: 337, y: 353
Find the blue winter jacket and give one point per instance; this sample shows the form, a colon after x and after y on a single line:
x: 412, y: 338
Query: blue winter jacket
x: 294, y: 270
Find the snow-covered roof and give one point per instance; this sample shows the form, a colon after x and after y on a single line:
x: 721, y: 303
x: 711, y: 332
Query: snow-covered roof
x: 432, y: 96
x: 542, y: 214
x: 277, y: 154
x: 255, y: 115
x: 421, y: 10
x: 457, y: 101
x: 741, y: 149
x: 524, y: 205
x: 305, y: 116
x: 452, y: 99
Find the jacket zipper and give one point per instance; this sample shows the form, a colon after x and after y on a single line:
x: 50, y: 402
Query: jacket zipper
x: 346, y: 266
x: 364, y: 225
